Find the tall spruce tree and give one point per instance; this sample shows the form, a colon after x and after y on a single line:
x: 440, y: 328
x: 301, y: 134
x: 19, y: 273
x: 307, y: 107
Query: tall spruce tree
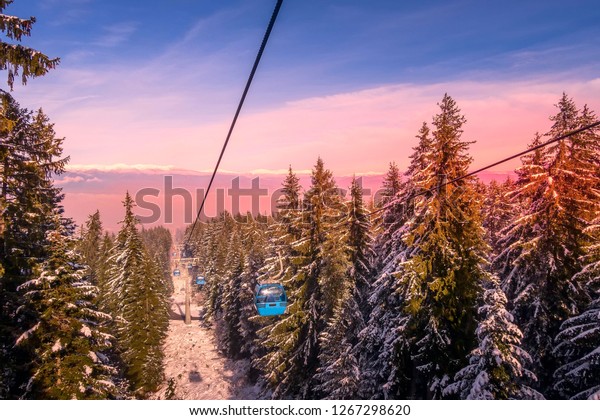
x: 69, y: 350
x: 256, y: 244
x: 338, y: 374
x: 284, y: 232
x: 442, y: 276
x: 30, y: 154
x: 359, y: 245
x: 90, y: 244
x: 139, y: 301
x: 384, y: 355
x: 339, y: 371
x: 292, y: 343
x: 231, y: 338
x: 221, y: 231
x: 543, y: 246
x: 392, y: 184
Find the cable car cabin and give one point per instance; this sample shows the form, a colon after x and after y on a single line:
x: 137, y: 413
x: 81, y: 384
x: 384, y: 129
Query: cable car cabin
x: 200, y: 281
x: 189, y: 266
x: 270, y: 299
x: 176, y: 273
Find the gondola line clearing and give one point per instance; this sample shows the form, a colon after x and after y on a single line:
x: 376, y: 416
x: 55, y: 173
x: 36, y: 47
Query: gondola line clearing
x: 193, y: 365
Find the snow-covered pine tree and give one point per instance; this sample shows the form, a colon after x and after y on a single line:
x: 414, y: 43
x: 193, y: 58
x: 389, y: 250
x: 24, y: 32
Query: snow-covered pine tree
x: 89, y: 246
x: 285, y: 230
x: 139, y: 301
x: 158, y: 242
x: 520, y: 198
x: 69, y: 349
x: 339, y: 372
x: 392, y: 184
x: 220, y: 231
x: 383, y: 354
x: 389, y: 245
x: 442, y: 275
x: 578, y: 342
x: 543, y: 246
x: 497, y: 212
x: 30, y: 155
x: 497, y: 367
x: 292, y: 343
x: 359, y: 244
x: 18, y: 58
x: 228, y: 331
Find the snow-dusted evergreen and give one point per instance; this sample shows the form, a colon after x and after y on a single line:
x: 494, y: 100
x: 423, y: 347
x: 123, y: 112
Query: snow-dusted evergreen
x: 90, y: 245
x: 69, y: 349
x: 422, y: 324
x: 578, y: 342
x: 405, y: 314
x: 138, y: 300
x: 218, y: 235
x: 543, y: 246
x: 255, y: 240
x: 497, y: 368
x: 497, y: 211
x: 30, y: 154
x: 16, y: 58
x: 339, y: 373
x: 383, y: 345
x: 230, y: 335
x: 314, y: 283
x: 392, y: 184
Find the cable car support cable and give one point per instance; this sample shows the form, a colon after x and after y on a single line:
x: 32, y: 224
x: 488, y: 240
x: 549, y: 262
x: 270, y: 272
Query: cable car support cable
x: 491, y: 165
x: 237, y: 112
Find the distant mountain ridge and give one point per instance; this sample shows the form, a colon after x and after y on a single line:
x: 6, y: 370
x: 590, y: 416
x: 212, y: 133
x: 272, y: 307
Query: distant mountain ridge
x: 89, y: 187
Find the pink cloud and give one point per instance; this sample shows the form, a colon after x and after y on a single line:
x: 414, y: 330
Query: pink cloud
x: 354, y: 132
x: 362, y: 131
x: 147, y: 118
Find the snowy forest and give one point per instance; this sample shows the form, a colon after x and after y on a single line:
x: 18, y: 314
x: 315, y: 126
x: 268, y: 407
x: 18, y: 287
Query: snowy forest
x: 441, y: 290
x: 466, y: 291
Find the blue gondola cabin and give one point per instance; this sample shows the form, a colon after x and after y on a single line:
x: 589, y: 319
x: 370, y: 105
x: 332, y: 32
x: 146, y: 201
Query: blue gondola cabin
x: 176, y: 273
x: 270, y: 299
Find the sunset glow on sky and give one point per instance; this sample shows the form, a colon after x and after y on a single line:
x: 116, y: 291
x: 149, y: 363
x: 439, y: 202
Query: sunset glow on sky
x: 156, y: 82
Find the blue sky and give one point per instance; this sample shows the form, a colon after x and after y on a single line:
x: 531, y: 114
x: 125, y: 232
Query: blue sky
x: 156, y: 82
x: 327, y: 45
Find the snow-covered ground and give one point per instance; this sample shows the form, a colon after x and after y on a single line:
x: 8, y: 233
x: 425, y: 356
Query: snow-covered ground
x: 192, y: 362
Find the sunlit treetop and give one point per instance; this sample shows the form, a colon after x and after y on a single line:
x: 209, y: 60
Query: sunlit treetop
x: 19, y: 59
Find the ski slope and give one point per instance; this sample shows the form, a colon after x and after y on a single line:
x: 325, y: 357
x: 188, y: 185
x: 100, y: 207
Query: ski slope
x: 192, y: 362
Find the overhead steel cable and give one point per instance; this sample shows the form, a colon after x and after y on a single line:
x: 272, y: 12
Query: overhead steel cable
x: 491, y: 165
x: 403, y: 200
x: 237, y: 112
